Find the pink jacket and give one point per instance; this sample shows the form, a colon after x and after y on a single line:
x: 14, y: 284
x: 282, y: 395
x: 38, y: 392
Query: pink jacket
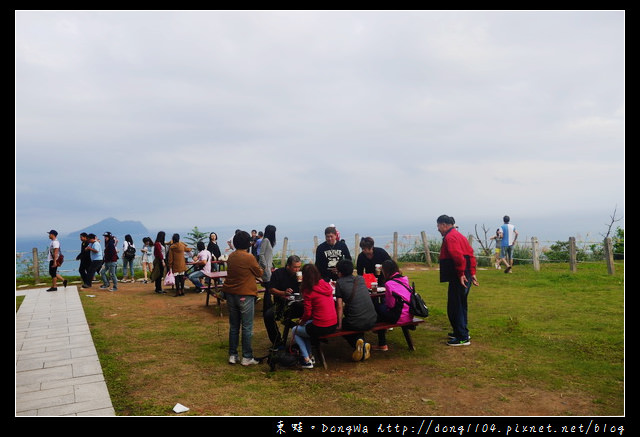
x: 319, y: 305
x: 393, y: 287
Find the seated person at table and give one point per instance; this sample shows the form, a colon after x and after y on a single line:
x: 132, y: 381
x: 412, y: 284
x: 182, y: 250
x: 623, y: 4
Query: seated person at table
x: 202, y: 266
x: 329, y: 253
x: 392, y: 310
x: 354, y: 302
x: 319, y: 317
x: 369, y: 257
x: 284, y: 284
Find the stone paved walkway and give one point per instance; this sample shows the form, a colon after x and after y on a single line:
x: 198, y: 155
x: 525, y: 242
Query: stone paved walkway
x: 57, y: 368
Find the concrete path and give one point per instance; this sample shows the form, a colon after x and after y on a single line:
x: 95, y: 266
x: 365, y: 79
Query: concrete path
x: 57, y: 368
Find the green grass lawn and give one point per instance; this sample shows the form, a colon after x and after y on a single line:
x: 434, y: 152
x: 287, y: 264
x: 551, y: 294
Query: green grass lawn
x: 549, y: 339
x: 559, y: 328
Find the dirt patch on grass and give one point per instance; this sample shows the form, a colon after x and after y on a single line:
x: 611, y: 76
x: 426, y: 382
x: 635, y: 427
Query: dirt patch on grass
x: 168, y: 363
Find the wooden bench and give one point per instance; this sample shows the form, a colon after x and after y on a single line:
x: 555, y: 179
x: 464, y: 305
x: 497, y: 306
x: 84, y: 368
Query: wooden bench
x: 406, y: 330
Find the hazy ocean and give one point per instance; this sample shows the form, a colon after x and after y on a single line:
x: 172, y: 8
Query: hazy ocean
x: 301, y: 241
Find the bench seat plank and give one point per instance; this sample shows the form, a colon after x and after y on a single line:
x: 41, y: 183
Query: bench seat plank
x: 406, y: 328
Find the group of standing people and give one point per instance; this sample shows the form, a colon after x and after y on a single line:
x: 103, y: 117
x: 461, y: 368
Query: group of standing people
x: 157, y: 259
x: 322, y: 297
x: 170, y: 258
x: 96, y: 259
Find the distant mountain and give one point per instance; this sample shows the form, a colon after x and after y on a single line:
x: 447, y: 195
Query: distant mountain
x: 116, y: 227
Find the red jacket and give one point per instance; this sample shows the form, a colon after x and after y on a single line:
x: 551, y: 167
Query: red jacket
x: 319, y: 305
x: 456, y: 247
x: 110, y: 251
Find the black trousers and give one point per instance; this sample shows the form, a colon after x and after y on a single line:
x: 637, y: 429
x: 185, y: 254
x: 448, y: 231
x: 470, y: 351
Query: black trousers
x: 457, y: 308
x: 385, y: 314
x: 83, y: 269
x: 270, y: 316
x: 352, y: 339
x: 94, y: 267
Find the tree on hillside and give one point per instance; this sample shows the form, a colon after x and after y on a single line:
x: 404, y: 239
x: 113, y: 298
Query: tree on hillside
x: 611, y: 222
x: 194, y: 236
x: 618, y: 238
x: 484, y: 241
x: 618, y: 244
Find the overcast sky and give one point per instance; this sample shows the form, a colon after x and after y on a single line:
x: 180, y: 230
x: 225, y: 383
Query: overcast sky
x: 198, y: 118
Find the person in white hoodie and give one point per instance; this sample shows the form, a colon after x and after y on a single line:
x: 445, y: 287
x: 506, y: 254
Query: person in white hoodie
x: 265, y: 255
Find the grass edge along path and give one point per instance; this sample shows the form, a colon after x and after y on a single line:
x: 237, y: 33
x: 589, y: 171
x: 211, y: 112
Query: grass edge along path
x: 549, y: 337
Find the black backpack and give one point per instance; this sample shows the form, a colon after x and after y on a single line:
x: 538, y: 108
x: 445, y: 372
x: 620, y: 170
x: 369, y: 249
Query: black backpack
x: 417, y: 307
x: 283, y: 357
x: 130, y: 253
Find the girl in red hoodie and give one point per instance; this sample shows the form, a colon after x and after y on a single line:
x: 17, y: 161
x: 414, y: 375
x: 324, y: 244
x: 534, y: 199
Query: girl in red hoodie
x: 319, y: 317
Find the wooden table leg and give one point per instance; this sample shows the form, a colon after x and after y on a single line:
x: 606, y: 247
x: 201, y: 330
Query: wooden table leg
x: 407, y: 336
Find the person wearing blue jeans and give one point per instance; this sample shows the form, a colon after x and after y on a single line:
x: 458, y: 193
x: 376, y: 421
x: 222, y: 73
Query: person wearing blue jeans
x: 241, y: 312
x: 110, y: 262
x: 303, y: 340
x: 240, y: 291
x: 109, y: 269
x: 203, y: 266
x: 127, y: 261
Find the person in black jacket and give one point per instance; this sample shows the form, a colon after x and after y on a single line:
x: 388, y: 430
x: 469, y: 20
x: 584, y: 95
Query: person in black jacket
x: 110, y: 262
x: 329, y: 253
x: 284, y: 289
x: 213, y: 247
x: 370, y: 257
x: 84, y: 257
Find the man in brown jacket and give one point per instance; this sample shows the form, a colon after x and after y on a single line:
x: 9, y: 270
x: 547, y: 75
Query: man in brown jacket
x: 241, y: 290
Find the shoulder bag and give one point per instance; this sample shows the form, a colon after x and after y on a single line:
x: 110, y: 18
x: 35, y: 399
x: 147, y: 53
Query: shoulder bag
x: 417, y: 307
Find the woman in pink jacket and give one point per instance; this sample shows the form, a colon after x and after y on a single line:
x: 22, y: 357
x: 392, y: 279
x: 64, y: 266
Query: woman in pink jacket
x: 319, y: 317
x: 393, y: 310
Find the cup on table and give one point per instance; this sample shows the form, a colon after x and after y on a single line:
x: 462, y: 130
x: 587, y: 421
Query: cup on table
x: 374, y: 287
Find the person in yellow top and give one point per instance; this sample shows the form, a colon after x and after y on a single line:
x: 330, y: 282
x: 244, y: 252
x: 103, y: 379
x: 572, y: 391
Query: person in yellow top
x: 241, y: 291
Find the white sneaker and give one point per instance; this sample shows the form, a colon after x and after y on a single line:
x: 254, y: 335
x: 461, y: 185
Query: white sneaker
x: 233, y: 359
x: 248, y: 361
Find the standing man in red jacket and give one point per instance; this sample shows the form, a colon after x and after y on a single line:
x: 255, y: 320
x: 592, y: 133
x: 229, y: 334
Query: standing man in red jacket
x: 458, y: 268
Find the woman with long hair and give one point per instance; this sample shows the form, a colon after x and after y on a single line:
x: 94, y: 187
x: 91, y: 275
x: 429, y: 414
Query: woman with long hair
x: 265, y: 256
x: 147, y: 257
x: 392, y: 309
x: 127, y: 262
x: 319, y: 317
x: 177, y: 262
x: 213, y: 247
x: 158, y: 262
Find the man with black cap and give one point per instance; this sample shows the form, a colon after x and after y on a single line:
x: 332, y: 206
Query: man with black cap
x: 110, y: 262
x: 54, y: 256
